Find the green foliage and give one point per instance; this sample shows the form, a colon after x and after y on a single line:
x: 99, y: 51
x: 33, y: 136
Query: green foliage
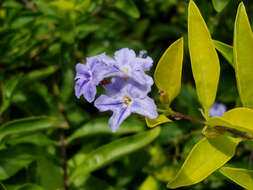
x: 168, y: 71
x: 205, y: 157
x: 45, y: 130
x: 204, y: 59
x: 237, y: 118
x: 161, y: 119
x: 243, y: 46
x: 242, y: 177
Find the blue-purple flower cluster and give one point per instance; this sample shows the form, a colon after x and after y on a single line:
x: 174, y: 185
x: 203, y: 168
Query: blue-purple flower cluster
x: 217, y: 110
x: 128, y: 87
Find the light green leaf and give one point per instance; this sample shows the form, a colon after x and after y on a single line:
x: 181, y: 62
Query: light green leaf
x: 225, y: 50
x: 158, y: 121
x: 219, y: 5
x: 26, y: 125
x: 204, y: 58
x: 243, y: 56
x: 110, y: 152
x: 128, y: 7
x: 237, y: 118
x: 242, y: 177
x: 100, y: 126
x: 150, y: 183
x: 169, y: 69
x: 7, y: 92
x: 205, y: 157
x: 29, y: 186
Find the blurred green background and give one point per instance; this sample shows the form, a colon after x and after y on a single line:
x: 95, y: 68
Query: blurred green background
x: 40, y: 43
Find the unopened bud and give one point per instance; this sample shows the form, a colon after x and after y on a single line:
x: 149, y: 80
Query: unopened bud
x: 211, y: 132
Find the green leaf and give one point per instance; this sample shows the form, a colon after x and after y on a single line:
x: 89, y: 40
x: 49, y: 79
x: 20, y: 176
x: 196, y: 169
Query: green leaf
x: 128, y: 7
x: 225, y: 50
x: 41, y: 73
x: 169, y: 69
x: 219, y: 5
x: 108, y: 153
x: 100, y: 126
x: 204, y: 58
x: 29, y: 186
x: 243, y: 56
x: 14, y: 159
x: 242, y: 177
x: 205, y: 157
x: 8, y: 91
x: 158, y: 121
x: 237, y: 118
x: 65, y: 5
x: 150, y: 183
x: 27, y: 125
x: 46, y: 168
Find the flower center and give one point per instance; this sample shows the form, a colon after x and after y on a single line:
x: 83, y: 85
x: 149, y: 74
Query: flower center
x: 127, y: 100
x: 125, y: 70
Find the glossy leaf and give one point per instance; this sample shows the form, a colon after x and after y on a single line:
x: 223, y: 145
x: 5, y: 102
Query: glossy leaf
x: 169, y: 69
x: 100, y: 126
x: 206, y: 156
x: 219, y: 5
x: 30, y: 187
x: 225, y: 50
x: 243, y: 56
x: 242, y: 177
x: 8, y: 91
x: 108, y: 153
x: 204, y: 58
x: 158, y: 121
x: 238, y: 118
x: 26, y: 125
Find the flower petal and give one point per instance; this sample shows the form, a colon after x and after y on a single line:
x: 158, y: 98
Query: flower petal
x: 79, y: 87
x: 118, y: 117
x: 124, y: 56
x: 82, y: 71
x: 89, y: 91
x: 146, y: 63
x: 105, y: 103
x: 145, y: 106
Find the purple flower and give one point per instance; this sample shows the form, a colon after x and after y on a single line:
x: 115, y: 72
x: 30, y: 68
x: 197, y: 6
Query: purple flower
x: 89, y: 75
x: 124, y: 99
x: 217, y: 110
x: 127, y: 65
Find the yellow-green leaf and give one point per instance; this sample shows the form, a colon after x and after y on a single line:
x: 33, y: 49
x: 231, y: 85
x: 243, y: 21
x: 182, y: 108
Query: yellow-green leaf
x: 206, y: 156
x: 242, y: 177
x: 226, y: 50
x: 157, y: 121
x: 243, y: 56
x: 65, y: 5
x: 237, y: 118
x: 169, y: 69
x: 204, y: 58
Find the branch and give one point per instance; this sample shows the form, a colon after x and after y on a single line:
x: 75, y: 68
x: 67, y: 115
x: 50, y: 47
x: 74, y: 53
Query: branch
x: 64, y: 160
x: 178, y: 115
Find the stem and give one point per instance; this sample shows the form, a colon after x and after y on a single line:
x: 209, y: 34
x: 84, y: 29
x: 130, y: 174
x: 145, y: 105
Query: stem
x: 64, y: 160
x: 178, y: 115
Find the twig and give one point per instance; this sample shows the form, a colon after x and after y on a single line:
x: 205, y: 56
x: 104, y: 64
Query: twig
x: 64, y: 160
x: 178, y: 115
